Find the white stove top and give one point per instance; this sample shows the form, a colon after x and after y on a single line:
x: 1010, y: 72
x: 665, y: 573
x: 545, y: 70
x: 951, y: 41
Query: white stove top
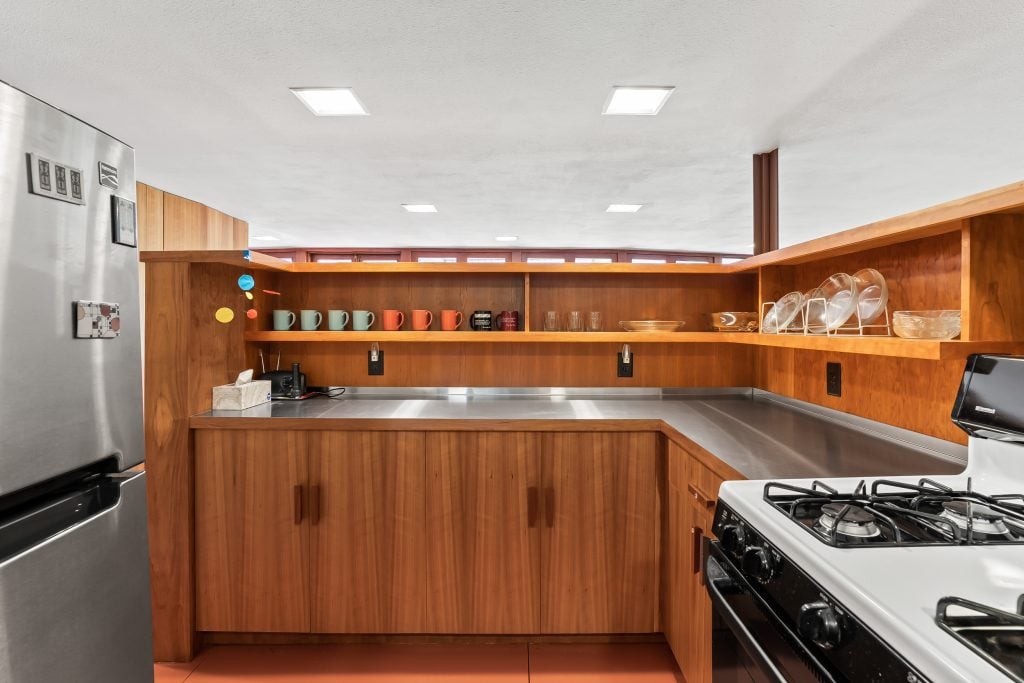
x: 894, y: 590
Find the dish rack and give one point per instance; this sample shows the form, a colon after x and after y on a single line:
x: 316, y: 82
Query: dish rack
x: 853, y: 326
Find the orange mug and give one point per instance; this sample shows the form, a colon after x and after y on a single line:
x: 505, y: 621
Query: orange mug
x: 393, y: 320
x: 450, y: 320
x: 421, y: 319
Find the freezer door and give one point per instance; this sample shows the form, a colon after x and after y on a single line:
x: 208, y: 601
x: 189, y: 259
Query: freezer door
x: 65, y: 402
x: 75, y: 603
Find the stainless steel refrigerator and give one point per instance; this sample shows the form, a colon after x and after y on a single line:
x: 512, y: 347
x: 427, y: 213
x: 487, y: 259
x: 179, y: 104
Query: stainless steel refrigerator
x: 74, y: 569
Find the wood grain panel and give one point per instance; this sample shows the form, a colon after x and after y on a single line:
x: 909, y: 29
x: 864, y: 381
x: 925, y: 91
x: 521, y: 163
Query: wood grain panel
x: 252, y: 539
x: 483, y: 572
x: 239, y: 234
x: 675, y: 617
x: 522, y: 365
x: 695, y: 662
x: 191, y: 226
x: 641, y: 297
x: 994, y: 278
x: 150, y: 217
x: 914, y: 394
x: 369, y: 532
x: 600, y: 559
x: 216, y: 353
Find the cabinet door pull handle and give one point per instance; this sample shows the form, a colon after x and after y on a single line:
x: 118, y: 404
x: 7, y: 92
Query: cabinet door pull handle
x: 701, y: 497
x: 532, y: 499
x: 549, y: 505
x: 314, y: 504
x: 696, y: 534
x: 298, y: 503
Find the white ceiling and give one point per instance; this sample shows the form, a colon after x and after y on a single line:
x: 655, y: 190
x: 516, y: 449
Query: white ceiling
x: 491, y: 111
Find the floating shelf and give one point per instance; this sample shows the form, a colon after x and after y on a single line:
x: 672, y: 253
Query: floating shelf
x: 894, y: 347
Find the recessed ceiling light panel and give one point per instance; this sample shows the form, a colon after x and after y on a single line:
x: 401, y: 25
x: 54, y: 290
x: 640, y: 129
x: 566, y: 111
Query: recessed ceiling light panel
x: 331, y: 101
x: 623, y: 208
x: 420, y: 208
x: 506, y: 238
x: 637, y: 100
x: 266, y: 238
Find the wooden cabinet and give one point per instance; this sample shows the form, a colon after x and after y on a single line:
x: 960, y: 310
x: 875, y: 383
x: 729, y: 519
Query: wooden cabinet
x: 368, y: 532
x: 692, y: 494
x: 251, y: 535
x: 599, y: 549
x: 483, y: 562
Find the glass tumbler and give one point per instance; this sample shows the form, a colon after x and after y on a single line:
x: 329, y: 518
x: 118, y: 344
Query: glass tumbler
x: 594, y: 322
x: 551, y: 321
x: 575, y: 323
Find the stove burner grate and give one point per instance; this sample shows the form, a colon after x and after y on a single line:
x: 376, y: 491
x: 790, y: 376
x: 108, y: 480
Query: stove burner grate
x: 993, y: 634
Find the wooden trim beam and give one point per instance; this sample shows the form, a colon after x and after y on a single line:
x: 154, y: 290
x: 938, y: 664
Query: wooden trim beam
x: 766, y: 202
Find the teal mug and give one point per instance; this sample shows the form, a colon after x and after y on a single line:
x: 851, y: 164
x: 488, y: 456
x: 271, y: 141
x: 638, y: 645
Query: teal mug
x: 283, y: 320
x: 310, y: 320
x: 362, y: 320
x: 337, y: 320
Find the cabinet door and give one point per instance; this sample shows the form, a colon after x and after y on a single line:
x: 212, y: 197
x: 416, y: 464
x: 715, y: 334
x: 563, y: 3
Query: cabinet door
x: 675, y: 612
x: 369, y: 542
x: 252, y: 540
x: 483, y: 569
x: 599, y: 546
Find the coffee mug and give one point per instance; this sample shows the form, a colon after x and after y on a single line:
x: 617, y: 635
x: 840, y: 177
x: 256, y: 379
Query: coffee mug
x: 362, y: 320
x: 310, y: 320
x: 480, y: 320
x: 450, y: 320
x: 421, y: 319
x: 508, y: 321
x: 393, y: 319
x: 337, y: 320
x: 283, y: 320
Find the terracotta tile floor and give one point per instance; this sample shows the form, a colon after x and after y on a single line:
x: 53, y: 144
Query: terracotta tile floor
x: 619, y: 663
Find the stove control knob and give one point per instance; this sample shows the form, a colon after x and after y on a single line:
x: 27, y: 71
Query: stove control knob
x: 759, y: 563
x: 820, y: 623
x: 734, y: 539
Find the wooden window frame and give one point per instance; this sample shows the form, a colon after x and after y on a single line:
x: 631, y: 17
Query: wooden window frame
x: 511, y: 256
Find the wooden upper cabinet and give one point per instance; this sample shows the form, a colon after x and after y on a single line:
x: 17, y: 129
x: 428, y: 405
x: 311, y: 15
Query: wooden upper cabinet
x: 483, y: 569
x: 251, y: 539
x: 599, y: 552
x: 191, y: 226
x: 368, y: 532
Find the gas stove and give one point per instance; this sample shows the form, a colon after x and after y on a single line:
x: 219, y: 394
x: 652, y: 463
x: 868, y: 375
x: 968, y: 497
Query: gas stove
x: 904, y: 579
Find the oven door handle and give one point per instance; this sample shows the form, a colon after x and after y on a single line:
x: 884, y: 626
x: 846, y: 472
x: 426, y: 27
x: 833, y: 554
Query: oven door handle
x: 715, y: 576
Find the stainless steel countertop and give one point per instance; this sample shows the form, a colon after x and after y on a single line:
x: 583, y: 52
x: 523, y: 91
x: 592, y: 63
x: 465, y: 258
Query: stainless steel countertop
x: 757, y: 434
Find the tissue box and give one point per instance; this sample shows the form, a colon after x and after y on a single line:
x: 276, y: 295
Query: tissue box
x: 231, y: 397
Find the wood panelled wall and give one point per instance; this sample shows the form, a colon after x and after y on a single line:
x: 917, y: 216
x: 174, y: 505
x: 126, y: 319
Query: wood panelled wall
x: 168, y: 222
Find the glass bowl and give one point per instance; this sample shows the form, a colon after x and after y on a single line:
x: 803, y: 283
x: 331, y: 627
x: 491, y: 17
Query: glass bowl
x: 926, y: 324
x: 781, y: 315
x: 840, y: 301
x: 651, y: 325
x: 732, y: 321
x: 872, y: 294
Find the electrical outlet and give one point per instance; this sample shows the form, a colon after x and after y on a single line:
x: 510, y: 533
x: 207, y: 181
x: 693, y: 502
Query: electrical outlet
x: 374, y: 367
x: 834, y: 379
x: 626, y: 369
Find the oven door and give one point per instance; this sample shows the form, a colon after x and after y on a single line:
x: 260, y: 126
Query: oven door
x: 752, y: 642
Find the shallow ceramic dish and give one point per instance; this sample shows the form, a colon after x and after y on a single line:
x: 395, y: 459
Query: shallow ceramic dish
x: 733, y: 321
x: 839, y: 293
x: 781, y: 315
x: 651, y: 325
x: 926, y: 324
x: 872, y: 294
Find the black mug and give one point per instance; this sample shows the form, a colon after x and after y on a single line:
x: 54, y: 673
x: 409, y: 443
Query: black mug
x: 480, y: 320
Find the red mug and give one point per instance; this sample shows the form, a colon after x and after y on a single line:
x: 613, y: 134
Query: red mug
x: 421, y: 319
x: 508, y: 321
x: 393, y: 320
x: 450, y: 320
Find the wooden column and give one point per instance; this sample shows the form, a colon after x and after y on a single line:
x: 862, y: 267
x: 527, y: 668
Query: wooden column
x: 766, y: 201
x: 992, y: 280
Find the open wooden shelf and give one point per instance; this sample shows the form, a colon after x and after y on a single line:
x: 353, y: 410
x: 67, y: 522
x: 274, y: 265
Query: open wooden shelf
x: 893, y: 347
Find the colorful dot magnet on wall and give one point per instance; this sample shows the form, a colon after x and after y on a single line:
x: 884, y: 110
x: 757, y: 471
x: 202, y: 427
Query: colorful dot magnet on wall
x: 245, y: 282
x: 224, y: 315
x: 248, y: 295
x: 271, y: 292
x: 251, y: 314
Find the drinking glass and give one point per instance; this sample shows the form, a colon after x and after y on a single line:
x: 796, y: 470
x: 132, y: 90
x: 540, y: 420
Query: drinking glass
x: 594, y: 322
x: 575, y: 323
x: 551, y: 321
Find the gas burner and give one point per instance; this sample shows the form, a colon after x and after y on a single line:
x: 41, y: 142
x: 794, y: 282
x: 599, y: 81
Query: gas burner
x: 848, y: 520
x: 980, y: 518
